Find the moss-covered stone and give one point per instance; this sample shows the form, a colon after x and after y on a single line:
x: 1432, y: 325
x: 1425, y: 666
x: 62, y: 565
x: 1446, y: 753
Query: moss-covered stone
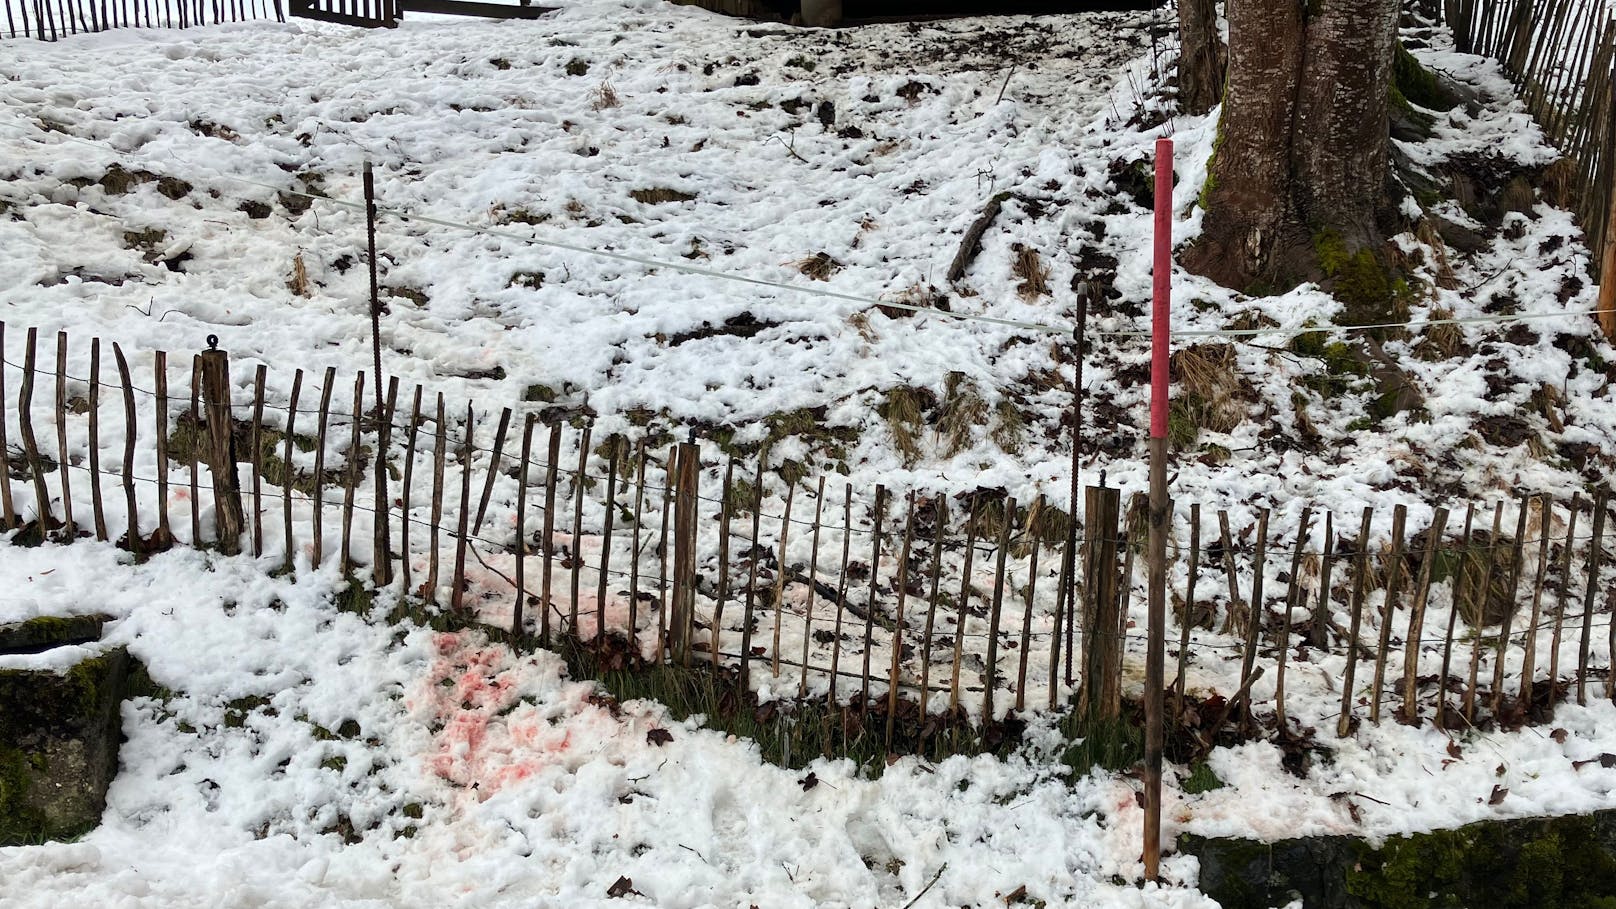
x: 42, y: 632
x: 1414, y: 83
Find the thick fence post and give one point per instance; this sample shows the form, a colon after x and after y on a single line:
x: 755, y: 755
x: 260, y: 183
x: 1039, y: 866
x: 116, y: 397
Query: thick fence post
x: 688, y: 472
x: 1100, y: 696
x: 221, y: 447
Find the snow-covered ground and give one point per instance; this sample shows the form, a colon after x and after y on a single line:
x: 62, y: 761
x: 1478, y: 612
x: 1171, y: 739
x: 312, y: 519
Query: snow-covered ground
x: 469, y: 776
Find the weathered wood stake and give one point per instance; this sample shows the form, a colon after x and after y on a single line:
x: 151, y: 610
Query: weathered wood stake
x: 130, y: 430
x: 95, y: 442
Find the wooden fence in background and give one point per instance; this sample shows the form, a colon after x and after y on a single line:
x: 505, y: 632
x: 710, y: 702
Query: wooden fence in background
x: 1561, y: 55
x: 49, y: 20
x: 976, y: 608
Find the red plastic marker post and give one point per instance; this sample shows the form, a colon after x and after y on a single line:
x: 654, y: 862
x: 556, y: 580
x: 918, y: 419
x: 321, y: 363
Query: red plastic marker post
x: 1160, y: 510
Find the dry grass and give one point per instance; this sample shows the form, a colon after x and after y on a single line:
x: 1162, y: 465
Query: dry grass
x: 1009, y: 427
x: 861, y: 324
x: 1426, y: 233
x: 1030, y: 268
x: 604, y: 96
x: 963, y: 411
x: 819, y: 266
x: 1441, y: 342
x: 660, y: 194
x: 903, y: 408
x: 1210, y: 372
x: 922, y: 295
x: 300, y: 284
x: 1559, y: 183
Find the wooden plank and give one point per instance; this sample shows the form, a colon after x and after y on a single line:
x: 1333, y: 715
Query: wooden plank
x: 606, y: 537
x: 995, y: 611
x: 751, y: 579
x: 869, y: 607
x: 813, y: 593
x: 471, y: 8
x: 1469, y: 706
x: 897, y: 623
x: 493, y: 469
x: 725, y: 518
x: 1516, y: 563
x: 434, y: 527
x: 780, y: 578
x: 221, y: 450
x: 1563, y: 595
x: 289, y: 472
x: 1026, y: 609
x: 95, y: 442
x: 69, y: 530
x: 318, y: 557
x: 547, y: 534
x: 30, y: 444
x: 1416, y: 617
x: 130, y: 430
x: 8, y: 508
x: 1189, y: 610
x: 1291, y: 588
x: 1453, y: 620
x: 260, y: 376
x: 1102, y: 649
x: 165, y: 534
x: 457, y: 595
x: 1388, y: 609
x: 579, y: 479
x: 1360, y: 582
x: 351, y: 474
x: 521, y: 531
x: 841, y: 592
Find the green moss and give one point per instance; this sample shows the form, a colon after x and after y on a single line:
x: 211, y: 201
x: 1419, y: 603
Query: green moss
x: 19, y: 821
x: 1183, y: 422
x: 1414, y: 83
x: 1106, y: 744
x: 1368, y: 288
x: 1211, y: 184
x: 1201, y: 779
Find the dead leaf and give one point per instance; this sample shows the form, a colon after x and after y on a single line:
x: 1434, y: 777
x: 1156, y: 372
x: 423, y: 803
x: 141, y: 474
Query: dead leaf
x: 808, y: 782
x: 622, y: 888
x: 1559, y: 735
x: 1498, y: 795
x: 1453, y: 750
x: 658, y: 737
x: 1017, y: 895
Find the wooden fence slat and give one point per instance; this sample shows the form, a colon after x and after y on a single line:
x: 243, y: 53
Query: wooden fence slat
x: 663, y: 586
x: 1185, y: 617
x: 1255, y: 613
x: 328, y: 385
x: 30, y: 445
x: 1529, y: 658
x: 682, y: 621
x: 1453, y: 619
x: 1099, y: 692
x: 939, y: 531
x: 1516, y: 562
x: 130, y: 430
x: 1026, y: 612
x: 601, y: 591
x: 547, y: 534
x: 897, y: 622
x: 1591, y: 589
x: 288, y: 471
x: 841, y: 592
x: 1291, y: 588
x: 260, y: 376
x: 1563, y: 595
x: 869, y: 607
x: 493, y: 469
x: 440, y: 444
x: 1319, y: 639
x: 68, y: 528
x: 1388, y: 610
x: 991, y: 670
x: 1360, y: 582
x: 1485, y: 595
x: 95, y: 442
x: 751, y: 580
x: 1237, y: 610
x: 1416, y: 616
x: 228, y: 518
x: 579, y: 479
x: 1062, y: 631
x: 351, y: 483
x: 813, y: 591
x: 198, y: 427
x: 634, y: 549
x: 8, y: 508
x: 780, y: 578
x: 726, y: 517
x: 521, y: 533
x: 457, y: 594
x: 962, y: 605
x: 165, y: 535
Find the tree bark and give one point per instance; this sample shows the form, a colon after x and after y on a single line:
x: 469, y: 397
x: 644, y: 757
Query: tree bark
x: 1302, y: 148
x: 1202, y: 57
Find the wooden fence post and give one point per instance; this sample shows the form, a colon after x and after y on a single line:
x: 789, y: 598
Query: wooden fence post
x: 521, y: 530
x: 95, y: 441
x: 1291, y: 588
x: 457, y: 594
x: 1607, y: 269
x: 221, y: 448
x: 7, y: 507
x: 1359, y: 582
x: 682, y: 622
x: 30, y: 445
x: 351, y: 475
x: 1100, y: 693
x: 130, y: 429
x: 869, y: 607
x: 995, y: 610
x: 1394, y: 575
x: 381, y: 570
x: 1416, y: 618
x: 68, y: 528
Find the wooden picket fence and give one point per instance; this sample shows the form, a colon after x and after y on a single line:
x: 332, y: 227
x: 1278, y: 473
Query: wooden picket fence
x: 1561, y: 55
x: 50, y: 20
x: 978, y: 610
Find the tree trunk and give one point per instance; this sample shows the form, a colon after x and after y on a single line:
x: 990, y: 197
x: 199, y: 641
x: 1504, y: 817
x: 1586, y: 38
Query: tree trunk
x: 1301, y: 160
x: 1202, y: 56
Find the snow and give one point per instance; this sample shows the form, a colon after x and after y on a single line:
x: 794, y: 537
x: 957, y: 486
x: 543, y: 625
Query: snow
x: 528, y: 790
